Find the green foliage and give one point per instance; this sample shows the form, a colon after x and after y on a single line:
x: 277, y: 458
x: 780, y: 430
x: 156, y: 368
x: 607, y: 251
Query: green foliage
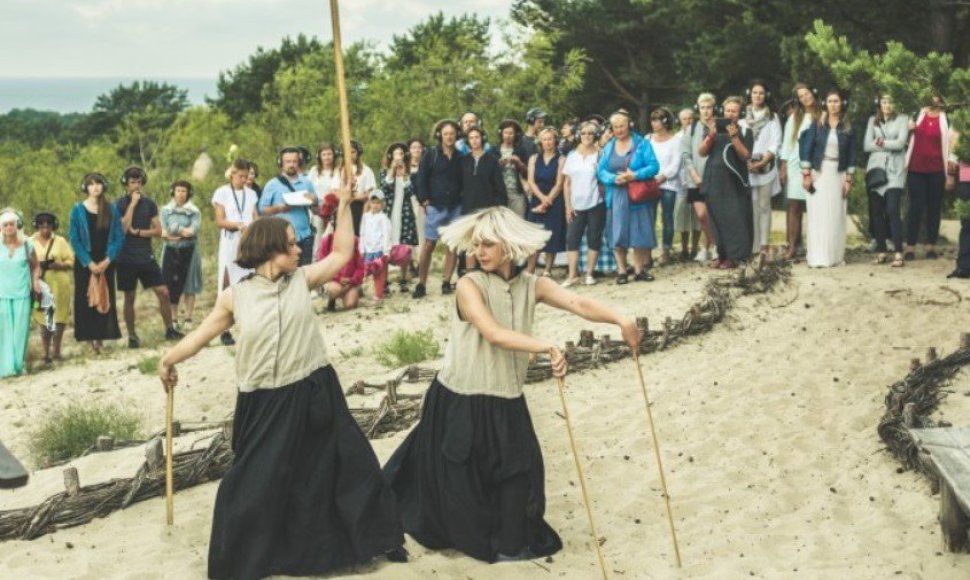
x: 38, y: 128
x: 405, y: 348
x: 241, y: 90
x: 71, y: 430
x: 148, y: 365
x: 464, y: 38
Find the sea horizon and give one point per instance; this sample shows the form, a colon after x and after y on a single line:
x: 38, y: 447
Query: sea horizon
x: 78, y: 94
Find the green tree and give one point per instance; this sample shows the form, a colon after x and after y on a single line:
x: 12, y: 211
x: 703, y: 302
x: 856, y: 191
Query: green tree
x: 242, y: 90
x: 465, y: 38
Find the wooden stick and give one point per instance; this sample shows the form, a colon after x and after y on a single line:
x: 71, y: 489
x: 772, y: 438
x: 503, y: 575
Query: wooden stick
x: 338, y: 57
x: 582, y: 478
x: 169, y: 488
x: 656, y: 452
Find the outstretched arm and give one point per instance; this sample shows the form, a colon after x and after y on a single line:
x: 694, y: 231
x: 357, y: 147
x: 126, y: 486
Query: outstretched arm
x: 217, y: 322
x: 325, y: 270
x: 548, y: 292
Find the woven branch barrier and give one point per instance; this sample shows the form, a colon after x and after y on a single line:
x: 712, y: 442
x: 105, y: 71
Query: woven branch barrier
x: 396, y: 412
x: 912, y: 400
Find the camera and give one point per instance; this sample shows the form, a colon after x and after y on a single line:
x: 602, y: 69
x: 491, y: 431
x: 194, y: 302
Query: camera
x: 721, y: 124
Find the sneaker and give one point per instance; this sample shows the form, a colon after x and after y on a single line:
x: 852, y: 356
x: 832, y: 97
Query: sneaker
x: 589, y: 281
x: 701, y: 256
x: 644, y: 276
x: 226, y: 339
x: 446, y: 288
x: 173, y: 334
x: 419, y: 291
x: 713, y: 253
x: 133, y: 342
x: 569, y: 282
x: 873, y: 246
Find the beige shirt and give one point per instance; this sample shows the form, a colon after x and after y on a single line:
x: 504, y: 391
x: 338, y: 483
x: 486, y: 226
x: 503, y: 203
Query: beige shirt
x: 472, y: 366
x: 278, y: 339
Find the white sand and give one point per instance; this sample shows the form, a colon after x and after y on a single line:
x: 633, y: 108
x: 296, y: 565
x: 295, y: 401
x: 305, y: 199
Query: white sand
x: 767, y: 424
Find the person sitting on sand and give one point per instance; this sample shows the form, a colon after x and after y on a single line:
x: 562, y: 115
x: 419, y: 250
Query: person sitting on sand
x: 470, y: 475
x: 305, y: 494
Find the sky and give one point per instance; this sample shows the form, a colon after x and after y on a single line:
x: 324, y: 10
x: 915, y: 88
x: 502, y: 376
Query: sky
x: 189, y: 38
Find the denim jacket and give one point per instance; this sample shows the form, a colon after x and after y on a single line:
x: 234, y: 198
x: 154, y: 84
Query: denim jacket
x: 174, y: 219
x: 643, y: 163
x: 81, y: 238
x: 811, y: 147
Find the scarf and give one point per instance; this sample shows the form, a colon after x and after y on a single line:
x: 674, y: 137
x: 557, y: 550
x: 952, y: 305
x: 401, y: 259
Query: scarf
x: 756, y: 120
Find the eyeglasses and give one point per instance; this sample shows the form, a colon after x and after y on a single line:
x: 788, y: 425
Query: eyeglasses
x: 590, y: 133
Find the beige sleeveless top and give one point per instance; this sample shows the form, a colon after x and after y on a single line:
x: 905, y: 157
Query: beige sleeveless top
x: 472, y: 366
x: 278, y: 340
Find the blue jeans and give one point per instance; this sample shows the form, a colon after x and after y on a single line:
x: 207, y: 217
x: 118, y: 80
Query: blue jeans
x: 668, y: 200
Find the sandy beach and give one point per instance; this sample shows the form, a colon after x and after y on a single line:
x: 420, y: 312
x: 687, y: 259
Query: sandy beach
x: 767, y: 426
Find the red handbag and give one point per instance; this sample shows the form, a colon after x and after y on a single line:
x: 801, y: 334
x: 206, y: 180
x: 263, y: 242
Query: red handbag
x: 644, y: 190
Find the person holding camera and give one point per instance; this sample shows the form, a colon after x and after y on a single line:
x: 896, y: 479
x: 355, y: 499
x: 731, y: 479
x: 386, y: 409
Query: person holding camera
x: 695, y: 164
x: 827, y: 150
x: 514, y: 161
x: 765, y: 128
x: 136, y: 263
x: 399, y: 199
x: 19, y: 281
x: 886, y: 137
x: 725, y: 185
x: 56, y: 260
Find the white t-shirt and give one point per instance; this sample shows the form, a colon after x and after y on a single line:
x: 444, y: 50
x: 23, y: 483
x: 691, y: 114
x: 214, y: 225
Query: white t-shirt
x: 670, y: 155
x: 375, y: 233
x: 366, y: 182
x: 582, y: 179
x: 325, y: 182
x: 239, y: 204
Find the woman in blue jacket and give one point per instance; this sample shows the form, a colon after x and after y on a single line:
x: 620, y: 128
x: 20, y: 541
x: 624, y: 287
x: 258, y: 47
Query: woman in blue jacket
x: 96, y: 237
x: 628, y: 157
x: 827, y: 152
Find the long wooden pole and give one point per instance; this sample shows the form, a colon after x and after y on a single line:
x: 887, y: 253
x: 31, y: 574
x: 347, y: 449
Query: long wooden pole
x: 338, y: 57
x: 169, y: 487
x: 656, y: 452
x: 582, y: 478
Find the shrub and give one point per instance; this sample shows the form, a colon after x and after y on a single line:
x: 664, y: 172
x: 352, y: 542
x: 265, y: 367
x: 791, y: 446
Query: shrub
x: 148, y: 365
x: 68, y: 432
x: 405, y: 348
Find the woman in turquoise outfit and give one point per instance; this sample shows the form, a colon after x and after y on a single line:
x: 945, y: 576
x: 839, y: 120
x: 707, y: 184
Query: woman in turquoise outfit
x: 19, y: 275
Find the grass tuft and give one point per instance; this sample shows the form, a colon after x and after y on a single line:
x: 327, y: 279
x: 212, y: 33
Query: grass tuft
x: 71, y: 430
x: 405, y: 348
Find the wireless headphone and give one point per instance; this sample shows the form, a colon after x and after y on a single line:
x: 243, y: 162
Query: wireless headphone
x: 46, y: 216
x: 357, y: 147
x: 303, y: 152
x: 757, y: 83
x: 134, y: 172
x: 533, y: 114
x: 481, y: 131
x: 182, y: 183
x: 442, y: 124
x: 94, y: 177
x: 663, y: 115
x: 20, y: 217
x: 629, y: 118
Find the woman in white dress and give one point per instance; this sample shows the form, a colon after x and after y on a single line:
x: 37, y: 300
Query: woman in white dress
x: 365, y: 184
x: 827, y: 151
x: 235, y: 208
x: 324, y: 177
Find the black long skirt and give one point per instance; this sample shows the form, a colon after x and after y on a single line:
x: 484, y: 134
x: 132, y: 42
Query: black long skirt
x: 89, y: 324
x: 305, y: 494
x: 449, y: 472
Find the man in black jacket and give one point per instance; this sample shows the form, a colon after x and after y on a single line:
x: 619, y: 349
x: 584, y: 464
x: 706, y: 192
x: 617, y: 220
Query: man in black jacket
x: 438, y: 187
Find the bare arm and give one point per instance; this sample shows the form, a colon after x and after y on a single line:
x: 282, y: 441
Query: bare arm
x: 343, y: 245
x: 221, y: 220
x: 557, y: 188
x: 473, y: 309
x: 548, y: 292
x: 217, y: 322
x: 154, y: 232
x: 130, y: 212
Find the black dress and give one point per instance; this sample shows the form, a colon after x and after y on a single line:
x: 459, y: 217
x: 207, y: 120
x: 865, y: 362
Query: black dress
x: 729, y: 198
x: 89, y: 324
x: 470, y: 475
x: 305, y: 494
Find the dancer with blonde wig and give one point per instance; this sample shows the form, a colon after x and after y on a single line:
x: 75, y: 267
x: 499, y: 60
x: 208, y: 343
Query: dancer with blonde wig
x: 470, y: 475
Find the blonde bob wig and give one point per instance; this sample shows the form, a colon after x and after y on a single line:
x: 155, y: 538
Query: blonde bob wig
x: 518, y: 238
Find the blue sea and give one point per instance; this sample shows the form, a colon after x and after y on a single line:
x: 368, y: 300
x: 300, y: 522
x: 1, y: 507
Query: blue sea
x: 77, y: 95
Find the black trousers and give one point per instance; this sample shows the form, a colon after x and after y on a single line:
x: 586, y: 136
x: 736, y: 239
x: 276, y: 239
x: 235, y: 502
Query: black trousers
x: 175, y: 270
x: 885, y: 220
x: 925, y: 197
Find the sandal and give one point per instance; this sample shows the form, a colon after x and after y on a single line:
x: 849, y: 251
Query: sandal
x: 897, y: 262
x: 880, y: 259
x: 621, y: 279
x: 644, y: 276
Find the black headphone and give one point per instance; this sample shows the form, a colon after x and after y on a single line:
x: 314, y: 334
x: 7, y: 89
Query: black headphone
x: 20, y: 217
x: 481, y: 131
x: 794, y: 91
x: 182, y: 183
x: 357, y: 147
x: 757, y: 83
x: 49, y: 217
x: 303, y: 151
x: 95, y: 176
x: 442, y: 124
x: 629, y: 118
x: 533, y: 114
x: 665, y: 117
x: 133, y: 172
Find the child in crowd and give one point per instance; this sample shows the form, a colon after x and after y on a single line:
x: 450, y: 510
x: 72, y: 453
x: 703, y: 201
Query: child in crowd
x: 346, y: 284
x: 375, y: 243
